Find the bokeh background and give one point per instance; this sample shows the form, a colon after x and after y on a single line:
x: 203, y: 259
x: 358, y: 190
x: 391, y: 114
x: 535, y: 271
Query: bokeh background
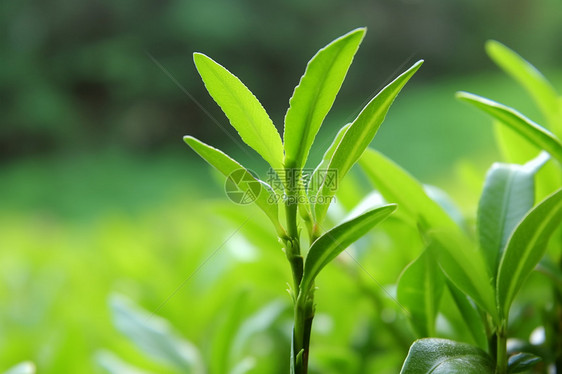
x: 99, y: 195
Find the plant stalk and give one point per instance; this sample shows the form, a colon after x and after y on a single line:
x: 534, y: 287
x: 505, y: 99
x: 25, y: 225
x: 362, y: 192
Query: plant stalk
x: 501, y: 349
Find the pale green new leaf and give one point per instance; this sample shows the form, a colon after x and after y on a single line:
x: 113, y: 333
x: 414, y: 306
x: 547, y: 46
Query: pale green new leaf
x: 316, y: 179
x: 244, y: 111
x: 335, y: 241
x: 155, y: 337
x: 397, y: 185
x: 529, y: 77
x: 531, y: 131
x: 314, y: 96
x: 442, y: 356
x: 525, y: 248
x: 266, y: 199
x: 419, y: 290
x: 509, y: 193
x: 360, y: 134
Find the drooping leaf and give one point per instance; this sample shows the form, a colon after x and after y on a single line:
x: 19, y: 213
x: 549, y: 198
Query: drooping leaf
x: 521, y: 362
x: 112, y: 364
x: 265, y: 199
x: 22, y: 368
x: 442, y: 356
x: 244, y: 111
x: 333, y: 242
x: 526, y: 247
x: 359, y: 136
x: 529, y: 77
x: 464, y: 265
x: 509, y: 193
x: 471, y: 316
x: 155, y: 337
x: 420, y: 288
x: 549, y: 268
x: 315, y: 95
x: 396, y: 185
x: 530, y: 130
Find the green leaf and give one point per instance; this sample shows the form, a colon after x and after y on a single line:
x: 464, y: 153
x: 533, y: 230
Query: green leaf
x: 442, y: 356
x: 317, y: 177
x: 154, y: 336
x: 397, y: 185
x: 471, y: 317
x: 314, y: 96
x: 526, y: 247
x: 531, y: 131
x: 549, y: 268
x: 333, y: 242
x: 521, y: 362
x: 457, y: 257
x: 420, y: 288
x: 266, y: 199
x: 22, y: 368
x: 509, y: 193
x: 464, y: 266
x: 529, y: 77
x: 244, y: 111
x: 360, y: 134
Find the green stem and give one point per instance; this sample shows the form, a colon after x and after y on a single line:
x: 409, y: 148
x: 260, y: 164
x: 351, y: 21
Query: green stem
x: 501, y: 348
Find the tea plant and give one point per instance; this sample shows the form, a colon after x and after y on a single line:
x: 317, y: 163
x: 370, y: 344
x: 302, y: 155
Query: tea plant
x: 483, y: 278
x: 301, y: 198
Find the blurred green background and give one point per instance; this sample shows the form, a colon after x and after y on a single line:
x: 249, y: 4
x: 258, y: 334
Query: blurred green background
x: 98, y: 193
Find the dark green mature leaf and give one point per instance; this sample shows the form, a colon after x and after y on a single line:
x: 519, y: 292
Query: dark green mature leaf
x: 360, y: 134
x: 397, y: 185
x: 522, y: 362
x: 442, y: 356
x: 314, y: 96
x: 509, y: 193
x: 531, y: 131
x: 226, y: 165
x: 244, y: 111
x: 154, y: 336
x: 529, y: 77
x: 333, y: 242
x: 420, y: 288
x: 526, y: 247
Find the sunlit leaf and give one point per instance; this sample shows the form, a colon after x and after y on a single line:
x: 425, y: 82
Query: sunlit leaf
x: 265, y: 200
x: 360, y: 134
x: 531, y: 131
x: 420, y: 288
x: 244, y: 111
x: 529, y: 77
x: 154, y: 336
x: 315, y: 95
x: 336, y: 240
x: 509, y: 193
x: 441, y: 356
x: 526, y: 247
